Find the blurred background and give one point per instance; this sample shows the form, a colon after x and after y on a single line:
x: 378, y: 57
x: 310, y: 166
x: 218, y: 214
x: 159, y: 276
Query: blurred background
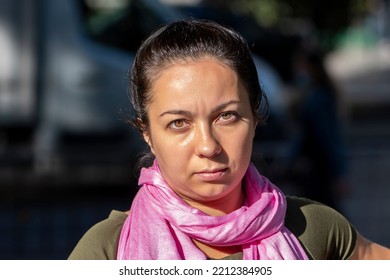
x: 68, y: 155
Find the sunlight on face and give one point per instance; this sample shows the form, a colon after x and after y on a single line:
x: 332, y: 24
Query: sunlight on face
x: 201, y: 130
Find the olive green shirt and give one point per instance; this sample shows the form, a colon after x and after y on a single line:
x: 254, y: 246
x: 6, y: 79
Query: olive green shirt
x: 323, y: 232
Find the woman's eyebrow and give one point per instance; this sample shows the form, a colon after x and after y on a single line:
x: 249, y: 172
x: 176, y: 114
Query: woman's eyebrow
x: 224, y: 105
x: 175, y: 112
x: 188, y: 113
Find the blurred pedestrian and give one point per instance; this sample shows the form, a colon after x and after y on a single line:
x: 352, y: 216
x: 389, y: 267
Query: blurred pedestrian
x: 319, y: 144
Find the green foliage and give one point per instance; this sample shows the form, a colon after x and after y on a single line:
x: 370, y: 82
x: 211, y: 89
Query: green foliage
x: 266, y: 12
x: 328, y: 18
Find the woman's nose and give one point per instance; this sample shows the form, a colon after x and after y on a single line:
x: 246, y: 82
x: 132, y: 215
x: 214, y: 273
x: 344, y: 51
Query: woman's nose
x: 207, y: 144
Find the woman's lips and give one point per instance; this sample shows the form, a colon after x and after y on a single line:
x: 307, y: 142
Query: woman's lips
x: 211, y: 175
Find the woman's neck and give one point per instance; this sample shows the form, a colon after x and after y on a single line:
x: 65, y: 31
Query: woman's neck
x: 223, y: 206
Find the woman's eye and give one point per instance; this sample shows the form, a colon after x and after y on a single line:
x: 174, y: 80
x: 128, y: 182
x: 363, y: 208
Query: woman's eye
x: 177, y: 124
x: 227, y: 116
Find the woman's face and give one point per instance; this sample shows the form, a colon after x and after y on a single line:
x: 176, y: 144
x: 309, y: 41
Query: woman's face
x: 201, y: 129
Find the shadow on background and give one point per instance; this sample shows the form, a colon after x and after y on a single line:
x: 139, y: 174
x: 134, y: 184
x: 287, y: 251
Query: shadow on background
x: 68, y: 155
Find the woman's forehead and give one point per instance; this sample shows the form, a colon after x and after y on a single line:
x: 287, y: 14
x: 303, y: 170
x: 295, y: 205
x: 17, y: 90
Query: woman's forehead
x: 195, y: 73
x: 206, y: 83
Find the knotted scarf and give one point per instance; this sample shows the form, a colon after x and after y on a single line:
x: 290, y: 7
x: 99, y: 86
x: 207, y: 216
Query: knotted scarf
x: 162, y: 226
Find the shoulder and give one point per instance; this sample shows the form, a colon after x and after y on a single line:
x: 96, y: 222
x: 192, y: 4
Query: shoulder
x: 101, y: 240
x: 324, y: 232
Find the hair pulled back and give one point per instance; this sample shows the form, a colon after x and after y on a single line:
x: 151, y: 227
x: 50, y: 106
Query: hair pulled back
x: 191, y: 40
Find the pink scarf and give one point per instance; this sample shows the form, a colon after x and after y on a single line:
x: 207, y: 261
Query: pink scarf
x: 161, y: 225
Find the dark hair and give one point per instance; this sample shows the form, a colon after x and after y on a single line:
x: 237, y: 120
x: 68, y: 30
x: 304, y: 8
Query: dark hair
x: 192, y: 39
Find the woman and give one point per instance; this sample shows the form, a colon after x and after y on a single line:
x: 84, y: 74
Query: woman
x: 196, y: 97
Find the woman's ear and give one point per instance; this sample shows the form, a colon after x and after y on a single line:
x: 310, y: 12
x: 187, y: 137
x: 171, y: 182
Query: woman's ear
x: 145, y: 133
x: 148, y: 140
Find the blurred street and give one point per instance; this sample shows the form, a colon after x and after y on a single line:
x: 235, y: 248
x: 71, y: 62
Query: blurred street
x: 368, y: 208
x: 369, y: 205
x: 368, y: 139
x: 367, y: 95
